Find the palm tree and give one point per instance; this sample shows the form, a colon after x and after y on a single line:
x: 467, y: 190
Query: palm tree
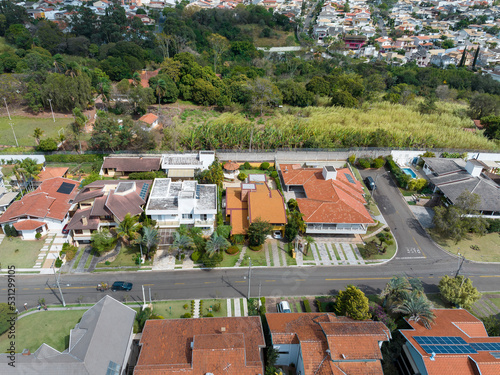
x: 30, y: 170
x: 160, y: 90
x: 150, y: 238
x: 395, y: 290
x: 58, y: 63
x: 310, y: 240
x: 128, y: 228
x: 416, y: 307
x: 181, y: 242
x: 104, y: 89
x: 37, y: 134
x: 216, y: 243
x: 18, y: 172
x: 73, y: 69
x: 136, y: 79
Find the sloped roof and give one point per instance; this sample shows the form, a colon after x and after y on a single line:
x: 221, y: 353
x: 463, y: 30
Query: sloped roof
x: 51, y: 172
x: 351, y: 343
x: 231, y: 166
x: 101, y: 337
x: 149, y: 118
x: 201, y: 346
x: 77, y: 221
x: 455, y: 323
x: 51, y: 199
x: 337, y: 200
x: 28, y: 225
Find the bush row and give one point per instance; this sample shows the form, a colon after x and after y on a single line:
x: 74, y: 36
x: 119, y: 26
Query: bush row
x: 74, y: 158
x: 371, y: 163
x: 401, y: 178
x: 307, y: 305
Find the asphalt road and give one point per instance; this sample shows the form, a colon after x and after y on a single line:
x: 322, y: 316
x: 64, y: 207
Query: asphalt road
x: 417, y: 256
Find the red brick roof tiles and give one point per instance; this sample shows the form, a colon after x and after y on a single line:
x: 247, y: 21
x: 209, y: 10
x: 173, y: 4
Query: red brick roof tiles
x: 347, y: 340
x: 51, y: 172
x: 28, y: 225
x: 460, y: 323
x: 166, y: 346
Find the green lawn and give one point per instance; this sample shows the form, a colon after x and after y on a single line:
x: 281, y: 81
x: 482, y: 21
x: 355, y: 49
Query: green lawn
x: 24, y: 127
x: 253, y: 171
x: 77, y: 260
x: 436, y: 299
x: 391, y: 250
x: 290, y: 261
x: 210, y: 303
x: 89, y: 260
x: 22, y: 254
x: 270, y: 250
x: 171, y: 309
x: 50, y: 327
x: 230, y: 260
x: 125, y: 258
x: 258, y: 258
x: 309, y: 255
x: 496, y: 302
x: 489, y: 246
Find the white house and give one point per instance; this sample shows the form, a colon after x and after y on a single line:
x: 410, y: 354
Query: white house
x: 181, y: 166
x: 183, y: 202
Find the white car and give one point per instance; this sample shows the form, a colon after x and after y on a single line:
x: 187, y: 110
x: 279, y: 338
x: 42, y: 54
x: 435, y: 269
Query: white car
x: 284, y: 307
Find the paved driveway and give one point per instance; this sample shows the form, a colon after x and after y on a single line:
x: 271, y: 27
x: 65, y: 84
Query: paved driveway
x: 413, y: 242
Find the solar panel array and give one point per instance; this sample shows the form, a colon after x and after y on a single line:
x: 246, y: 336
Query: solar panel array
x: 486, y: 346
x: 144, y: 191
x: 453, y: 345
x: 349, y: 178
x: 449, y: 349
x: 438, y: 340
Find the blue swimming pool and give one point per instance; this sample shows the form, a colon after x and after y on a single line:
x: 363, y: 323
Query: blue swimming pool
x: 409, y: 172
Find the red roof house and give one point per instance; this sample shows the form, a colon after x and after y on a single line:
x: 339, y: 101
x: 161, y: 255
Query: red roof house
x: 333, y: 203
x: 322, y: 343
x: 201, y: 346
x: 48, y: 204
x: 457, y: 343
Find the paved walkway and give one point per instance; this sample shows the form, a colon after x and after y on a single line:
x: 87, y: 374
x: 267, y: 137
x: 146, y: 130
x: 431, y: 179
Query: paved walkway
x: 276, y: 255
x: 237, y: 306
x: 196, y: 313
x: 424, y: 215
x: 163, y: 261
x: 242, y: 255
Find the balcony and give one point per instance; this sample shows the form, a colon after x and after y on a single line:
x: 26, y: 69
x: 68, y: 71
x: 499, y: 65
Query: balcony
x: 168, y: 223
x: 203, y: 223
x: 335, y: 229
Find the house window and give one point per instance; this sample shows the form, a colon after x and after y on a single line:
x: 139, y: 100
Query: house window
x: 187, y: 216
x: 78, y: 231
x: 203, y: 217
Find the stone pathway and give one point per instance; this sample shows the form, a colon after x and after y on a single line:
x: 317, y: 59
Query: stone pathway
x: 163, y: 261
x: 282, y: 252
x: 229, y: 312
x: 351, y: 258
x: 331, y: 251
x: 299, y: 257
x: 83, y: 259
x: 237, y: 306
x: 323, y: 253
x: 314, y: 251
x: 245, y: 307
x: 196, y: 313
x: 358, y: 254
x: 341, y: 253
x: 242, y: 256
x: 268, y: 257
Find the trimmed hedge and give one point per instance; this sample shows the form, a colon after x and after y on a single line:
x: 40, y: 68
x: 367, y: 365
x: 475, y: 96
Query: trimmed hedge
x: 231, y: 250
x: 307, y: 306
x: 401, y: 178
x: 264, y: 166
x: 255, y: 248
x: 74, y: 158
x: 242, y: 176
x: 196, y: 256
x: 263, y: 305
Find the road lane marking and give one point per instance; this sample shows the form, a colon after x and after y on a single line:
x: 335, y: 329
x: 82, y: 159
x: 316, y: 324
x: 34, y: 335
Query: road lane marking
x: 149, y: 284
x: 410, y: 257
x: 179, y: 284
x: 361, y: 278
x: 26, y: 288
x: 270, y: 281
x: 209, y: 282
x: 431, y: 277
x: 300, y: 279
x: 489, y: 276
x: 240, y: 281
x: 37, y: 288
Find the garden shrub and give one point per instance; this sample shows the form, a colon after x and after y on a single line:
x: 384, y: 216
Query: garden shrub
x: 231, y: 250
x: 264, y: 166
x: 238, y: 239
x: 246, y: 166
x: 364, y: 163
x: 38, y: 236
x: 195, y: 256
x: 242, y: 176
x: 274, y: 174
x: 401, y: 178
x: 351, y: 159
x: 209, y: 315
x: 58, y: 262
x: 379, y: 314
x: 307, y: 305
x: 378, y: 162
x: 263, y: 305
x: 76, y: 158
x: 185, y: 306
x: 212, y: 261
x: 271, y: 169
x: 255, y: 248
x: 186, y: 316
x: 493, y: 225
x: 216, y: 307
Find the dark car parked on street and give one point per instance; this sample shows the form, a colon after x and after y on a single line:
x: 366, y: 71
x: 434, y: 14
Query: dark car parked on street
x: 370, y: 184
x: 121, y: 285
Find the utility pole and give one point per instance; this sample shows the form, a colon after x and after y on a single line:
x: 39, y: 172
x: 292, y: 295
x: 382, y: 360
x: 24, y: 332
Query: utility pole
x: 6, y: 106
x: 249, y: 276
x: 12, y: 127
x: 50, y: 102
x: 57, y: 283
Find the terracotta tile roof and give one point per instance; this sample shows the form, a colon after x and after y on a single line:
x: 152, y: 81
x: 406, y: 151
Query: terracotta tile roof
x: 44, y: 202
x: 350, y: 342
x: 457, y: 323
x: 478, y: 124
x: 51, y: 172
x: 28, y: 225
x: 149, y: 118
x: 200, y: 346
x: 328, y: 201
x: 82, y: 220
x: 132, y: 164
x: 231, y: 166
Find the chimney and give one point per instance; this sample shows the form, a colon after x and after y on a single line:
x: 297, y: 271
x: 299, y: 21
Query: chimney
x: 433, y: 356
x: 223, y: 329
x: 329, y: 172
x: 474, y: 167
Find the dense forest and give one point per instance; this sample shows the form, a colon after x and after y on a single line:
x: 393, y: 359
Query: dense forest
x: 207, y: 57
